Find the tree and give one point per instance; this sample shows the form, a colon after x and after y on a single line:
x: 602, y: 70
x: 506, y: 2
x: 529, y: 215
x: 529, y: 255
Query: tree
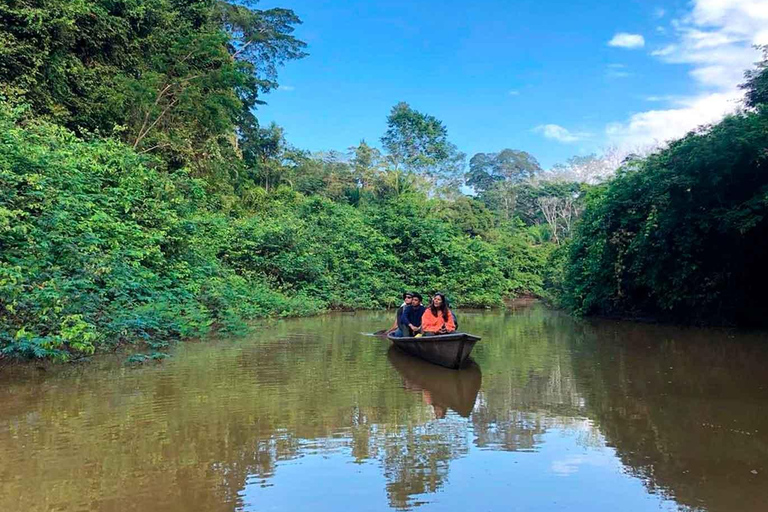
x: 756, y: 84
x: 510, y: 165
x: 417, y: 143
x: 171, y: 78
x: 559, y: 212
x: 366, y: 162
x: 590, y: 168
x: 263, y: 153
x: 678, y: 234
x: 480, y: 176
x: 496, y: 177
x: 516, y: 166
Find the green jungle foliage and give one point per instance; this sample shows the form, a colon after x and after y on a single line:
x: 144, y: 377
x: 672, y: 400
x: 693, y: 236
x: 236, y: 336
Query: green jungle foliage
x: 100, y: 248
x: 682, y: 234
x: 169, y: 77
x: 142, y: 202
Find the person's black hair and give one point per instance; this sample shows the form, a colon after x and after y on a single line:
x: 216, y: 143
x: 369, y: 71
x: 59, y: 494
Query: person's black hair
x: 405, y: 294
x: 443, y: 306
x: 416, y: 295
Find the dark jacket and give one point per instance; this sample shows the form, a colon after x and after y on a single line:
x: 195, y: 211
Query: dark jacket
x: 412, y: 315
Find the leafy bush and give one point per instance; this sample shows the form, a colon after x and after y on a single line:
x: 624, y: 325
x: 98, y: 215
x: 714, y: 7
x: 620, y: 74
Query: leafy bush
x: 680, y: 235
x: 99, y: 248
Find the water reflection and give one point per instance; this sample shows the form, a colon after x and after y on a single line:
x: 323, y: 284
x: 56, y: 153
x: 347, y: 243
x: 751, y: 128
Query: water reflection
x: 684, y: 409
x: 439, y: 387
x: 563, y: 415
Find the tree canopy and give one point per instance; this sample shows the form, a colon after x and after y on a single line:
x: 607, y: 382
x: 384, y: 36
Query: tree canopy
x: 486, y: 170
x: 678, y: 235
x: 172, y: 78
x: 418, y: 143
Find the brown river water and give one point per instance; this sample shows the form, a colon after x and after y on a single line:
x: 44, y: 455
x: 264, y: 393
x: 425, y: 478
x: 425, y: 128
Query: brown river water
x: 555, y: 414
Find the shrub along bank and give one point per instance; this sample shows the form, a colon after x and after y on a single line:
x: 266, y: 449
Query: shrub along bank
x: 100, y: 248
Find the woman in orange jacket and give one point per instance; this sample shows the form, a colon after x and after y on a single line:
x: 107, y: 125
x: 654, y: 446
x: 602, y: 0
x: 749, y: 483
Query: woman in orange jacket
x: 437, y: 318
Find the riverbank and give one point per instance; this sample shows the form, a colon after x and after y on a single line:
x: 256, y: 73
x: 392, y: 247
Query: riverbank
x: 148, y: 351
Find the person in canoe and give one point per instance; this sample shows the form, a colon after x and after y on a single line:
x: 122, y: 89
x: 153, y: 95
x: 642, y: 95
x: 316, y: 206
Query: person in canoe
x: 448, y: 305
x: 411, y: 317
x: 437, y: 318
x: 397, y: 326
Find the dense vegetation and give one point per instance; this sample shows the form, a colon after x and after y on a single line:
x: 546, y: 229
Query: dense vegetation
x: 681, y: 235
x: 99, y: 247
x: 142, y: 201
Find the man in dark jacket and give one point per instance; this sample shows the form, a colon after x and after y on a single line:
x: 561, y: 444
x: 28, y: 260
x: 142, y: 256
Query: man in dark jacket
x: 411, y: 318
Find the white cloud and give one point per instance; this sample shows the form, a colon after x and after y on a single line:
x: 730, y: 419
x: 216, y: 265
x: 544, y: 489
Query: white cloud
x: 656, y: 127
x: 625, y: 40
x: 287, y: 88
x: 514, y: 93
x: 715, y: 39
x: 567, y: 467
x: 664, y: 98
x: 617, y: 71
x: 659, y: 12
x: 560, y: 134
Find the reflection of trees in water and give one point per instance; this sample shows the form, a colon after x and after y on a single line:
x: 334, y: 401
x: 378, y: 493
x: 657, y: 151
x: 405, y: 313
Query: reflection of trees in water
x: 190, y: 434
x: 528, y: 383
x: 684, y: 409
x: 416, y: 458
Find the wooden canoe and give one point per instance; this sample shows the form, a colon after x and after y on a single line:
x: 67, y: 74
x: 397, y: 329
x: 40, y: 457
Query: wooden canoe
x: 449, y: 350
x: 440, y: 387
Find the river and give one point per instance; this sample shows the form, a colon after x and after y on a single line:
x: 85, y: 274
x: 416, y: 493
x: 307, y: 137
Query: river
x: 555, y: 414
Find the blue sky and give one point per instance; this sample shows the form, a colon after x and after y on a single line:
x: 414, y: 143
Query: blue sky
x: 554, y: 78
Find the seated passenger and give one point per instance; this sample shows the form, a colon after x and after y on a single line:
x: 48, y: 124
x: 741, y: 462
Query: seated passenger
x: 396, y: 327
x: 453, y: 313
x: 438, y: 319
x: 411, y: 318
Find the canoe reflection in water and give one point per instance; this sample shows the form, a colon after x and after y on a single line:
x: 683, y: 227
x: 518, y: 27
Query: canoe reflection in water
x: 440, y: 387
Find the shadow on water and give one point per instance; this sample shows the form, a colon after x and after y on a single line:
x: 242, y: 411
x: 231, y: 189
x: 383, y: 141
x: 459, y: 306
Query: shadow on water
x: 440, y: 387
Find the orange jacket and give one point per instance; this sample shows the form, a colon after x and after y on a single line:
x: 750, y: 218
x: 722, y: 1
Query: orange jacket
x: 432, y: 323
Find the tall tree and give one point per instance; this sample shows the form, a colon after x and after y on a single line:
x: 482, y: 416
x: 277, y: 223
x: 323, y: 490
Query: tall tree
x: 418, y: 143
x: 509, y: 165
x: 263, y: 152
x: 589, y: 168
x: 496, y: 177
x: 480, y: 176
x: 366, y: 161
x: 167, y: 77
